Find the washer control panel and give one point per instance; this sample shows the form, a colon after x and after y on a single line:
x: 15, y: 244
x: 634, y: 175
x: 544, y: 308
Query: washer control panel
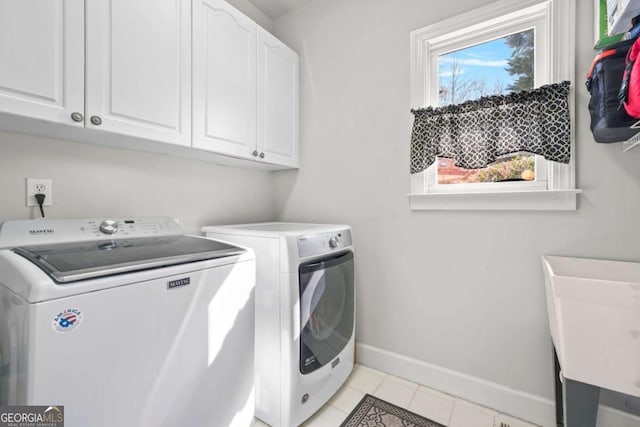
x: 44, y: 231
x: 317, y: 244
x: 124, y: 227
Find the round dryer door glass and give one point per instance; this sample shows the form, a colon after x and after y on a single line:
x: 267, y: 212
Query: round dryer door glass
x: 326, y: 309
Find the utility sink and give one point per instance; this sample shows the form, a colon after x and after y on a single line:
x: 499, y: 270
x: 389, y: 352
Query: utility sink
x: 594, y: 317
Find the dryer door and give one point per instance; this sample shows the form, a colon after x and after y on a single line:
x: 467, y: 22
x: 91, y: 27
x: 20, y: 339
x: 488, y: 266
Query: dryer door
x: 327, y: 295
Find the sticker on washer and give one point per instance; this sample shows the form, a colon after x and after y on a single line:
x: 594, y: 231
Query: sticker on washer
x: 67, y: 320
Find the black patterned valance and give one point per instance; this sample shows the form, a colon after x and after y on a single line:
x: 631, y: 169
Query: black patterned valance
x: 476, y: 133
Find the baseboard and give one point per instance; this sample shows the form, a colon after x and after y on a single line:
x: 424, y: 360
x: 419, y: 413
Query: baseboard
x: 535, y: 409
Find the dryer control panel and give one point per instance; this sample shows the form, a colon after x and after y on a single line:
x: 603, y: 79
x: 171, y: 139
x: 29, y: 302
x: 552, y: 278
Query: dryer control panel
x: 318, y: 244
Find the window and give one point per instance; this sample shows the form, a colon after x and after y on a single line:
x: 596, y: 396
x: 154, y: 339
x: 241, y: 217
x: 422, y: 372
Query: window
x: 493, y: 67
x: 508, y: 45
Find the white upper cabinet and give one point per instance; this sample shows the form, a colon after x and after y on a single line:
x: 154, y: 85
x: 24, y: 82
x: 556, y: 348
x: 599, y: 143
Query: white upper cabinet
x: 277, y: 101
x: 195, y: 78
x: 139, y: 68
x: 245, y: 88
x: 42, y: 59
x: 224, y: 79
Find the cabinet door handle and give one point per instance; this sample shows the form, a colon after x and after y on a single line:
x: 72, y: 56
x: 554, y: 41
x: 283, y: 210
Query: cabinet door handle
x: 255, y: 153
x: 262, y: 155
x: 77, y: 117
x: 96, y: 120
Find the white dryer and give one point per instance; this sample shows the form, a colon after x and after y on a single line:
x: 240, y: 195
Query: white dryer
x: 126, y: 322
x: 305, y: 314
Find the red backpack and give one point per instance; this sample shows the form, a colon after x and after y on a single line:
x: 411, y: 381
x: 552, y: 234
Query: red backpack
x: 629, y: 95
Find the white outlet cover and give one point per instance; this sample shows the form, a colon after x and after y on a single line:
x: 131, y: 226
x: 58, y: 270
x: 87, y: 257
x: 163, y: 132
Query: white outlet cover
x: 33, y: 185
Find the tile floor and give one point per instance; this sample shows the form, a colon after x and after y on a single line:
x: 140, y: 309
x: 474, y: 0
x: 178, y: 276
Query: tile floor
x: 440, y: 407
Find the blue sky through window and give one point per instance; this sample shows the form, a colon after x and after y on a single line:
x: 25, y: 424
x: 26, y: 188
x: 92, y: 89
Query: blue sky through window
x: 474, y: 71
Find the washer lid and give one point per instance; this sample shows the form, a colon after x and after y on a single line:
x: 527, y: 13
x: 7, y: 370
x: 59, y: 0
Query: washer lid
x: 70, y: 262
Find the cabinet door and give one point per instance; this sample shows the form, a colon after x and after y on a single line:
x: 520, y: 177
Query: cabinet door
x: 42, y: 59
x: 224, y: 79
x: 139, y: 68
x: 277, y: 101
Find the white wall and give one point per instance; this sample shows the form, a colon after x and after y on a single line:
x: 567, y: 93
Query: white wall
x: 459, y: 290
x: 96, y: 181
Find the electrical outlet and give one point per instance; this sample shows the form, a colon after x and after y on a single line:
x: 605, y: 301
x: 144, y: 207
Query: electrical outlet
x: 42, y: 186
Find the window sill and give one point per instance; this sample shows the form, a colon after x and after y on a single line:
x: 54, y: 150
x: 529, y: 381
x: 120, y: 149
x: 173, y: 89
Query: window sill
x: 536, y: 200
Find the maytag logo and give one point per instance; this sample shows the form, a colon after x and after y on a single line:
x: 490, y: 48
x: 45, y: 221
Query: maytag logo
x: 42, y: 231
x: 180, y: 282
x: 335, y: 362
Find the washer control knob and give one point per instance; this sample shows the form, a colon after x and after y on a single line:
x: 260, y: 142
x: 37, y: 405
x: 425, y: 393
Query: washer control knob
x: 109, y: 226
x: 333, y: 242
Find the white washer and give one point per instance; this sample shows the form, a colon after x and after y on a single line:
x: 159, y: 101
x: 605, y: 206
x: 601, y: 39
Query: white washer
x: 126, y: 322
x: 305, y: 314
